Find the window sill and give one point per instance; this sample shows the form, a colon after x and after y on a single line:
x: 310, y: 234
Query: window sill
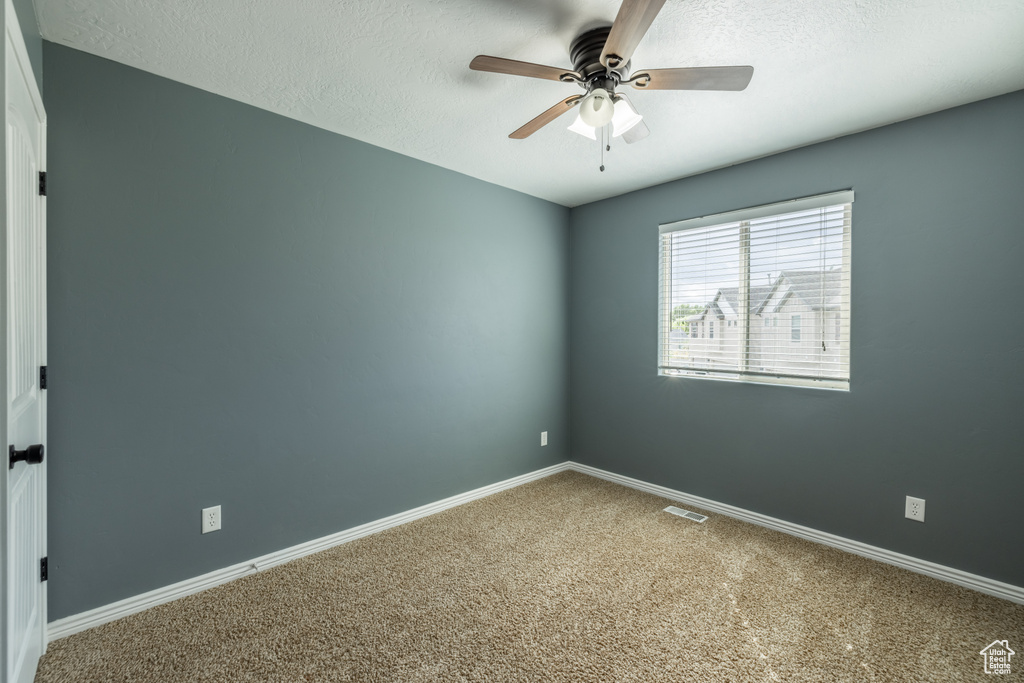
x: 826, y: 384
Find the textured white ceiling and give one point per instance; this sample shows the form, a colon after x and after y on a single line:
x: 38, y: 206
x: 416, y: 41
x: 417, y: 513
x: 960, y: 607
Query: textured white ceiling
x: 395, y: 74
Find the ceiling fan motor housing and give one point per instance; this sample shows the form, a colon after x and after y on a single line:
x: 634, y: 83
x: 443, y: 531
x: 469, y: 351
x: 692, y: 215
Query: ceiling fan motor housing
x: 585, y: 52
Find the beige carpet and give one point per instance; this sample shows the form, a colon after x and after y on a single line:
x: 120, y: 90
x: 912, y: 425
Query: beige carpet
x: 566, y: 579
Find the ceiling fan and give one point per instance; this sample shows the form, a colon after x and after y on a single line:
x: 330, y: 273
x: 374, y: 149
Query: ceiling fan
x: 601, y: 62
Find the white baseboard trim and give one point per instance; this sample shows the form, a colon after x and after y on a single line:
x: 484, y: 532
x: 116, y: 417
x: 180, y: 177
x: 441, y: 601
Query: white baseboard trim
x: 75, y: 623
x: 961, y: 578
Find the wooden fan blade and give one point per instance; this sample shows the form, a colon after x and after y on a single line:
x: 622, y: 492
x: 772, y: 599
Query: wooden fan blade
x: 500, y: 65
x: 631, y: 23
x: 694, y: 78
x: 636, y: 133
x: 546, y: 118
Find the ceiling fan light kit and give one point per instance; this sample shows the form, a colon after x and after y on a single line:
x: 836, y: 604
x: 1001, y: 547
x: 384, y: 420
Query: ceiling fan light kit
x: 624, y: 118
x: 601, y: 62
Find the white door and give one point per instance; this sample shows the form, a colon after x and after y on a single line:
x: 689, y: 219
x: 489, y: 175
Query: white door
x: 24, y: 508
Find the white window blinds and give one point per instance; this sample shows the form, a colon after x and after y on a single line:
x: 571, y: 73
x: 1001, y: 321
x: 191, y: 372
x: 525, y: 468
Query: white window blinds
x: 760, y: 294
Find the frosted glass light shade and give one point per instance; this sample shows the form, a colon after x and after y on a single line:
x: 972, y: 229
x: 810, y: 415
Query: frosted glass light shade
x: 579, y: 126
x: 597, y: 109
x: 624, y: 118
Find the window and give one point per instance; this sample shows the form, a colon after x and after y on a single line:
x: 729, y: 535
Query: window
x: 790, y: 259
x: 711, y: 329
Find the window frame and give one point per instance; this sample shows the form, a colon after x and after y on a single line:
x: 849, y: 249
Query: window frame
x: 745, y: 373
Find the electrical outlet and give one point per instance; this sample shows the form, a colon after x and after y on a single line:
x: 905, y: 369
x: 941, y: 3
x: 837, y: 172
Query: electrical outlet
x: 915, y: 509
x: 211, y: 519
x: 543, y: 438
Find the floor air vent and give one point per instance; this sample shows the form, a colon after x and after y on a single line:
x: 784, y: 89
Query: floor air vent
x: 685, y: 513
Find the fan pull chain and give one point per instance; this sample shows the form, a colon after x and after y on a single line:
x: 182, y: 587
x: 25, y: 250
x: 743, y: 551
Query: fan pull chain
x: 605, y: 144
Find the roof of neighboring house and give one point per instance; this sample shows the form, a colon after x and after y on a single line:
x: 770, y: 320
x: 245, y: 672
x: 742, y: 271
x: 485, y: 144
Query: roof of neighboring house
x: 711, y: 308
x: 812, y: 286
x: 732, y: 295
x: 818, y: 289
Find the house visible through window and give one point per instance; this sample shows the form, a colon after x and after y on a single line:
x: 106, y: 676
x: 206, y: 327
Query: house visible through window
x: 791, y: 260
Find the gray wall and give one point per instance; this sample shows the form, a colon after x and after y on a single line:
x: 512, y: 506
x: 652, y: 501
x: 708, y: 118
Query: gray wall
x: 937, y: 367
x: 30, y: 31
x: 305, y: 329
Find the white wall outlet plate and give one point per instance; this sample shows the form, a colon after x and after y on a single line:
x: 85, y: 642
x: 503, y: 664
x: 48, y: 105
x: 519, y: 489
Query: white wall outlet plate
x: 915, y: 509
x: 543, y: 438
x: 211, y: 519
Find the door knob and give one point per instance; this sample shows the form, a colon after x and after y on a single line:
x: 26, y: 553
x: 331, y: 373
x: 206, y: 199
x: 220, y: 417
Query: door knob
x: 33, y: 455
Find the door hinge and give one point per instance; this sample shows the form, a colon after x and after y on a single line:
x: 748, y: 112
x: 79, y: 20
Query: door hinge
x: 42, y: 183
x: 43, y: 569
x: 42, y: 376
